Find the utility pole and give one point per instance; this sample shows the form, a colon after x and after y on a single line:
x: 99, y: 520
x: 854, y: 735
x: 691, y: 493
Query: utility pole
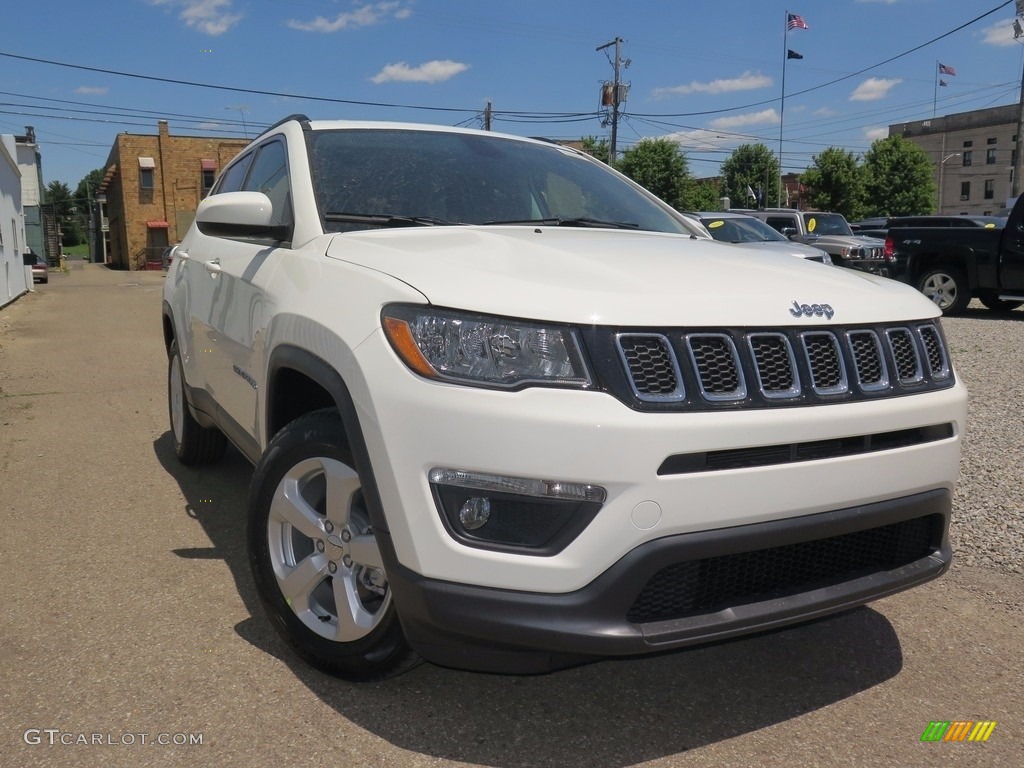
x: 487, y: 117
x: 617, y: 42
x: 1018, y: 163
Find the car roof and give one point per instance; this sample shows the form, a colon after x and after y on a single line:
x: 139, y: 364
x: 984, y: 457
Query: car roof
x: 723, y: 215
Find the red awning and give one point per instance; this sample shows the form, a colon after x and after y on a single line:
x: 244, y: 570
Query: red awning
x: 208, y: 165
x: 155, y: 224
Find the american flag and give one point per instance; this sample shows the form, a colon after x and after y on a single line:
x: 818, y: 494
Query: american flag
x: 944, y: 70
x: 795, y: 22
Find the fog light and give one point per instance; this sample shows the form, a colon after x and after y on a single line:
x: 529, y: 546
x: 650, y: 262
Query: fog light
x: 475, y: 512
x: 523, y: 515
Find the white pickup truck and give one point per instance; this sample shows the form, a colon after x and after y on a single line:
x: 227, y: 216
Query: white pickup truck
x: 510, y: 412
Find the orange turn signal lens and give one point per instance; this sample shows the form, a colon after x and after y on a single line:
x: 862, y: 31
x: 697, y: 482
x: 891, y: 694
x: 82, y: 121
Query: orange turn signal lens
x: 400, y: 335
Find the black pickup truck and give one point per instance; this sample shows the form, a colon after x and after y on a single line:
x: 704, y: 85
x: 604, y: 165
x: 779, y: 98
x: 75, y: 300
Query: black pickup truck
x: 952, y: 265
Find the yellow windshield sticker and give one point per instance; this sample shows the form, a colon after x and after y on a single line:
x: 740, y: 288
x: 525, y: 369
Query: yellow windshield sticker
x: 811, y: 224
x: 990, y: 225
x: 715, y: 224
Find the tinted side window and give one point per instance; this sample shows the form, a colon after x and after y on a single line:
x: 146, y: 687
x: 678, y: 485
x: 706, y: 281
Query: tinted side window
x: 779, y: 223
x: 269, y: 175
x: 232, y: 178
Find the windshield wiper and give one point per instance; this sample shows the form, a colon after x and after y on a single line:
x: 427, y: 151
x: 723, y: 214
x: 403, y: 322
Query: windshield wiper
x: 386, y: 219
x: 558, y: 221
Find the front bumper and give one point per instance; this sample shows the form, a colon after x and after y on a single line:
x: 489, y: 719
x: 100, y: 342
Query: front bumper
x: 693, y: 588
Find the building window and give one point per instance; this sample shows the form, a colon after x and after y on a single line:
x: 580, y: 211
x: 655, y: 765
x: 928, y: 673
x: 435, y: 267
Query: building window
x: 965, y: 190
x: 208, y: 168
x: 993, y: 141
x: 990, y: 157
x: 146, y: 168
x: 990, y: 189
x: 968, y: 144
x: 967, y: 158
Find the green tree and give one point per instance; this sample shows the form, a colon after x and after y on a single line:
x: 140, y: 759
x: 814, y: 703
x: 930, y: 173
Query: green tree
x: 754, y: 167
x: 659, y: 166
x: 835, y: 182
x: 86, y: 189
x: 898, y: 179
x: 595, y: 147
x: 85, y: 193
x: 701, y: 195
x: 59, y: 193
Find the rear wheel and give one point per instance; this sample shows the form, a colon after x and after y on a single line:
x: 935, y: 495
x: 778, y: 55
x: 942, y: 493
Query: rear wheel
x: 947, y: 287
x: 193, y: 443
x: 315, y: 558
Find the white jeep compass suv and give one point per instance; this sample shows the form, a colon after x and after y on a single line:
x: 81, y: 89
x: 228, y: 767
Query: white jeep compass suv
x: 510, y: 412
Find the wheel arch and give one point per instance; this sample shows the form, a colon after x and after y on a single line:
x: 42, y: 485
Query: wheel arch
x: 298, y: 382
x: 919, y: 264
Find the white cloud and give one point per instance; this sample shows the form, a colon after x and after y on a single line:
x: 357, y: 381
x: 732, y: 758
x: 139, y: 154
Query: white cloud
x: 764, y: 117
x: 874, y: 88
x: 825, y: 112
x: 208, y: 126
x: 91, y: 90
x: 745, y: 82
x: 211, y: 17
x: 881, y: 132
x: 1000, y: 33
x: 430, y: 72
x: 363, y: 16
x: 887, y: 2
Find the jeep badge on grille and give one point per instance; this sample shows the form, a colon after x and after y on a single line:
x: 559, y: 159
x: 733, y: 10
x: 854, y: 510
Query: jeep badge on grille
x: 809, y: 310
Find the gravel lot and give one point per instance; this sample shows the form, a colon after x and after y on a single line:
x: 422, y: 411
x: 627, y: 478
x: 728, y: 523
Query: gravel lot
x: 129, y: 608
x: 988, y: 355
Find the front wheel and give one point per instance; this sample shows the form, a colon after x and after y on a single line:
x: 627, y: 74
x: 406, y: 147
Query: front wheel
x: 947, y: 287
x: 315, y: 558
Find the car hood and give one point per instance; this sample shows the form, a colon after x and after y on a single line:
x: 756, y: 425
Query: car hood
x: 619, y: 277
x: 789, y: 247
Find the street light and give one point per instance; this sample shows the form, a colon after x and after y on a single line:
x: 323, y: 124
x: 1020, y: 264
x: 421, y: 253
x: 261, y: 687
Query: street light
x: 941, y: 165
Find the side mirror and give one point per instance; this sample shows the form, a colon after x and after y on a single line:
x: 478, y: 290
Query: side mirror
x: 789, y: 232
x: 239, y: 214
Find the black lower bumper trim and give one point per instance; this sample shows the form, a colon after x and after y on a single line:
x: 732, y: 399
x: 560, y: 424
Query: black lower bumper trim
x: 494, y: 630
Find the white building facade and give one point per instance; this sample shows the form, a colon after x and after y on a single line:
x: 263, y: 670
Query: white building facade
x: 13, y: 280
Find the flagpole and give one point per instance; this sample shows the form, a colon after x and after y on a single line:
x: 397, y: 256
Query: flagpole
x: 935, y: 89
x: 782, y: 103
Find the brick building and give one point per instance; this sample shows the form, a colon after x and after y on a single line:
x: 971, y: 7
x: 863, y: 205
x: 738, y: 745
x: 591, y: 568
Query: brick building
x: 151, y: 188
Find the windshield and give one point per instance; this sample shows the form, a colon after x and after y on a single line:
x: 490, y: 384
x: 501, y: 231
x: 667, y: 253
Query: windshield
x: 370, y: 178
x: 826, y: 224
x: 744, y: 229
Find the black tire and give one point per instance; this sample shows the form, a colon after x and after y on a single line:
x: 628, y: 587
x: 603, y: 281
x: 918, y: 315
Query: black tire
x: 193, y: 444
x: 947, y: 287
x: 322, y: 551
x: 999, y: 305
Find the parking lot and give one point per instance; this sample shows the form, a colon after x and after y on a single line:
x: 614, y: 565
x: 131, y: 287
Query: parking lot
x: 132, y: 634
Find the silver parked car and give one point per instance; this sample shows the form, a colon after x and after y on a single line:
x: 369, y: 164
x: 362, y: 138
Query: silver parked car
x: 750, y: 232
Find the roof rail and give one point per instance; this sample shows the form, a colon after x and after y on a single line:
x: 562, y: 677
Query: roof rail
x: 297, y: 116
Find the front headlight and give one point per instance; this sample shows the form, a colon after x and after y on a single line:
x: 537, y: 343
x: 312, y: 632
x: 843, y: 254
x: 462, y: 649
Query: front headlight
x: 484, y: 351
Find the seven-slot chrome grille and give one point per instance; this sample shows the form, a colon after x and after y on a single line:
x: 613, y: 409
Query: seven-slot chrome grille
x: 682, y: 369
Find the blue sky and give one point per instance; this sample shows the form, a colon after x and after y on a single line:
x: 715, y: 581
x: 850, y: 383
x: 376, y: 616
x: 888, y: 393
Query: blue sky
x: 707, y: 74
